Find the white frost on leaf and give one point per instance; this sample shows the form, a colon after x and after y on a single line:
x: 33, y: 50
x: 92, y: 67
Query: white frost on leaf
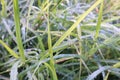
x: 14, y: 71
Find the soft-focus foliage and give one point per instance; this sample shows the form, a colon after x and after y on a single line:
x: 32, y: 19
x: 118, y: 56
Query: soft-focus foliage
x: 60, y: 39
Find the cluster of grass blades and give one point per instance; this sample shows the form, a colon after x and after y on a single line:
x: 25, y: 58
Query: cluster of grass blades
x: 59, y: 40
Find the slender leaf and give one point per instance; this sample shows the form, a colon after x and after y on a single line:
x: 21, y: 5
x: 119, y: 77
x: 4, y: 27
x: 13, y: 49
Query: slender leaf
x: 4, y: 11
x: 9, y: 49
x: 99, y: 20
x: 97, y: 72
x: 81, y: 17
x: 53, y: 72
x: 50, y: 48
x: 18, y: 30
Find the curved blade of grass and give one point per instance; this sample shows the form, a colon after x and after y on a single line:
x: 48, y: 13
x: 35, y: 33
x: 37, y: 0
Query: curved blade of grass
x: 81, y: 17
x: 50, y: 48
x: 9, y: 49
x: 17, y: 27
x: 3, y: 12
x: 54, y: 77
x: 97, y: 72
x: 99, y: 20
x: 106, y: 77
x: 93, y: 50
x: 41, y: 45
x: 45, y: 60
x: 49, y: 36
x: 117, y: 65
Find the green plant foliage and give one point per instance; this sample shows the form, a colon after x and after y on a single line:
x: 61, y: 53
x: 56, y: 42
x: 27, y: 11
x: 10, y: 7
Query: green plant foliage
x: 9, y: 49
x: 18, y: 30
x: 59, y: 40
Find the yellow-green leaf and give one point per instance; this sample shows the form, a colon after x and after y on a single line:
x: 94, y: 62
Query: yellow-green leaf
x: 9, y: 49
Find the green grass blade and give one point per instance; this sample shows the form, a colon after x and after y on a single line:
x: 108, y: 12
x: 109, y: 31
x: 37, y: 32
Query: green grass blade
x: 117, y: 65
x: 17, y: 27
x: 54, y: 77
x: 77, y: 22
x: 50, y: 48
x: 93, y: 50
x: 9, y: 49
x: 99, y: 20
x: 49, y: 35
x: 41, y: 45
x: 4, y: 11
